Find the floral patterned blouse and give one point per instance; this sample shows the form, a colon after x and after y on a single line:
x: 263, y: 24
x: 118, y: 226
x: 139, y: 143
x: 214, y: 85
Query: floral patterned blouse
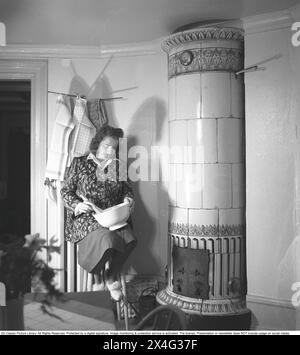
x: 104, y: 192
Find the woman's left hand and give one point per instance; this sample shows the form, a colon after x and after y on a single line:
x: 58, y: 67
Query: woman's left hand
x: 130, y: 202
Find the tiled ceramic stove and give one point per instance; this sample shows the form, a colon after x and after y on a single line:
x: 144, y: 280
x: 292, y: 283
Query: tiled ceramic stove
x: 207, y: 171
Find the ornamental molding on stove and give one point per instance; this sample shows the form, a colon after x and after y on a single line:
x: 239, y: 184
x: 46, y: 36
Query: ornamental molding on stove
x: 203, y: 34
x: 207, y: 59
x: 194, y: 230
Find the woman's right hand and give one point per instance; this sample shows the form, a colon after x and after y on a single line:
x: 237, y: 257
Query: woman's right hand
x: 83, y: 207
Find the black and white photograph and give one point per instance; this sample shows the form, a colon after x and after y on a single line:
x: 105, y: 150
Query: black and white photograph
x: 149, y: 170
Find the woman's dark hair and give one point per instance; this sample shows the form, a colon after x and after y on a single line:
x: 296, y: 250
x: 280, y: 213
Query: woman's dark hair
x: 105, y: 131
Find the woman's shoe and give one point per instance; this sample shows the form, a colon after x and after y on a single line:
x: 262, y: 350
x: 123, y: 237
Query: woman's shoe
x: 115, y: 290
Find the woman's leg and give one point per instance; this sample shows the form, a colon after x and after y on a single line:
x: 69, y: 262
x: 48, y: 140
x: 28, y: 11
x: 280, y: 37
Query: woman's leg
x: 117, y: 261
x: 99, y: 269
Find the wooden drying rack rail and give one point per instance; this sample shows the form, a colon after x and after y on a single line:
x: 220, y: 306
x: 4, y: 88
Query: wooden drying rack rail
x: 77, y: 95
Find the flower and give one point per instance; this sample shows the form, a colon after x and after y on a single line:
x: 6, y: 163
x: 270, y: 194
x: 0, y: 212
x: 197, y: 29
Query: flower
x: 24, y: 269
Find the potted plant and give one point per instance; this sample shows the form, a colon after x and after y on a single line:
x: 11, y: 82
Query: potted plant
x: 24, y: 268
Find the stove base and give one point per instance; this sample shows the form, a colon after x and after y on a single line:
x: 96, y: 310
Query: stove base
x: 236, y: 322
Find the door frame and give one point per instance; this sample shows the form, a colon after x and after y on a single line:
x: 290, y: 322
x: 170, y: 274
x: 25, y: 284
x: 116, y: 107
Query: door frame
x: 34, y: 71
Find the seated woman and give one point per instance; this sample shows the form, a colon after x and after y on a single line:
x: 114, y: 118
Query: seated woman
x: 98, y: 178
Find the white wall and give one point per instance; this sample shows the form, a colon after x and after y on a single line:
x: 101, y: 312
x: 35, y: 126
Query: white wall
x: 271, y: 113
x: 143, y: 116
x: 101, y: 22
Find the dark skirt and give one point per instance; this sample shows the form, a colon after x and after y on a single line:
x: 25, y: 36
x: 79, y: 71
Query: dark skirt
x: 93, y: 248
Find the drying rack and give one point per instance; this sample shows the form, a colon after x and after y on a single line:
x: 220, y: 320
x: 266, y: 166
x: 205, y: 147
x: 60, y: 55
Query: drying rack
x: 82, y: 96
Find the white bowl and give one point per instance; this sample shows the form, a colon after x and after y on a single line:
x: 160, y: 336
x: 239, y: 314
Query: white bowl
x: 114, y: 217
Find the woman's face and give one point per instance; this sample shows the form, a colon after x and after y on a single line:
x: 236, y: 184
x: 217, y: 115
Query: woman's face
x: 107, y: 148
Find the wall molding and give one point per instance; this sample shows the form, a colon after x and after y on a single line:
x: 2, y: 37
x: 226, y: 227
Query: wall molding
x: 252, y: 24
x: 270, y: 301
x: 267, y: 22
x: 272, y: 314
x: 84, y: 52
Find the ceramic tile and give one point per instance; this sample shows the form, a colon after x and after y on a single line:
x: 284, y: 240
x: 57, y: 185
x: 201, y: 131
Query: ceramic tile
x: 215, y: 95
x: 188, y: 96
x: 190, y: 186
x: 217, y: 186
x: 178, y: 215
x: 231, y: 217
x: 203, y: 217
x: 230, y: 140
x: 178, y: 140
x: 237, y: 96
x: 238, y: 185
x: 172, y: 99
x: 213, y: 44
x: 202, y: 138
x: 198, y: 243
x: 172, y: 185
x: 237, y: 45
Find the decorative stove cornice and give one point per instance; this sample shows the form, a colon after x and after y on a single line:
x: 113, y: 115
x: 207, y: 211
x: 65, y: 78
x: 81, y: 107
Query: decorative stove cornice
x: 203, y: 34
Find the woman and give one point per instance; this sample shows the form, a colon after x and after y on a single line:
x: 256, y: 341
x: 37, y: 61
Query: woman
x: 98, y: 179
